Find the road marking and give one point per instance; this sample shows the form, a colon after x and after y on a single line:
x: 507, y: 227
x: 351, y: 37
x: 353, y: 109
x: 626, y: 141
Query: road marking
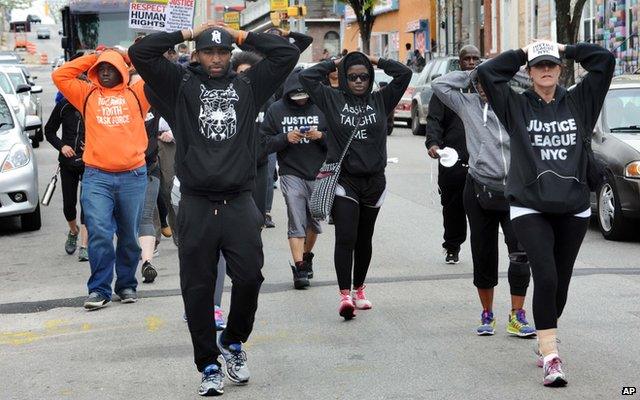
x: 153, y: 323
x: 18, y: 338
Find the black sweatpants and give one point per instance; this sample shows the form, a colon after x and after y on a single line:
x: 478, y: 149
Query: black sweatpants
x: 205, y: 228
x: 483, y: 225
x: 260, y: 189
x: 69, y: 181
x: 552, y: 243
x: 453, y: 216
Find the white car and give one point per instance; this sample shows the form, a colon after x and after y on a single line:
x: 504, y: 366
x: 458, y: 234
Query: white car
x: 20, y: 75
x: 19, y: 98
x: 18, y: 170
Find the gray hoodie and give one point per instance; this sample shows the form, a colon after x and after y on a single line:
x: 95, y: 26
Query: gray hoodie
x: 487, y: 140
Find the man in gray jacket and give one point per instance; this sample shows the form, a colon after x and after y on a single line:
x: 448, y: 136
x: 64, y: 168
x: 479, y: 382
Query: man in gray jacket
x: 484, y: 201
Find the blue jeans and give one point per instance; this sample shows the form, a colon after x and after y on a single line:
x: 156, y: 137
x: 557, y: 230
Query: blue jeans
x: 112, y: 204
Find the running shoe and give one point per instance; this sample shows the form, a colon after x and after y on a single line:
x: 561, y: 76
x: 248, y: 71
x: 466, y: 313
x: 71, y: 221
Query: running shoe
x: 347, y: 309
x: 553, y: 375
x: 149, y: 273
x: 128, y: 296
x: 95, y: 301
x: 83, y: 254
x: 518, y: 324
x: 219, y: 317
x: 300, y: 279
x: 452, y: 257
x: 308, y: 259
x: 235, y: 360
x: 487, y: 324
x: 360, y: 299
x: 166, y: 231
x: 268, y: 222
x: 71, y: 243
x: 212, y: 381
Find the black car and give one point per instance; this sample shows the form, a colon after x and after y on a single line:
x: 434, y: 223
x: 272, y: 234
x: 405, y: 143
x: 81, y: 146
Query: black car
x: 34, y: 19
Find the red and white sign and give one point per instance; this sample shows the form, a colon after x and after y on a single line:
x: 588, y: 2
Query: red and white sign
x: 161, y: 15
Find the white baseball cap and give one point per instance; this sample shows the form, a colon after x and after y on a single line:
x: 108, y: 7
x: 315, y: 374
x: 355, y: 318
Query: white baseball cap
x: 543, y: 51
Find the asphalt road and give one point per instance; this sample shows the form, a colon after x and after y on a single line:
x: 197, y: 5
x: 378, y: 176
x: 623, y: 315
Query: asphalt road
x: 416, y: 343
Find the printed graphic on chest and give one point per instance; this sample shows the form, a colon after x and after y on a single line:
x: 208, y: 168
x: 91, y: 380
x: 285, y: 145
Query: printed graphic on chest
x: 555, y: 139
x: 293, y: 123
x: 217, y: 118
x: 112, y: 111
x: 362, y: 116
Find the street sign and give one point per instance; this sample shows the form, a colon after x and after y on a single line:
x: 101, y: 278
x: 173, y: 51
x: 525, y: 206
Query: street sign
x: 279, y: 5
x: 232, y: 19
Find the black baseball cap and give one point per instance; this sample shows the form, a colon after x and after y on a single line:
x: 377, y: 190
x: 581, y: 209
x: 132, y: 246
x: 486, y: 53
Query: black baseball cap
x: 215, y: 37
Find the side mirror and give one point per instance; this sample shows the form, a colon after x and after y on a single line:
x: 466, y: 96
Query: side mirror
x: 32, y: 123
x: 22, y: 88
x: 36, y: 89
x: 34, y: 77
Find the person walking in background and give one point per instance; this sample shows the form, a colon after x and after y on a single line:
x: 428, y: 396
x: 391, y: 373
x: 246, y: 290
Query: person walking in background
x: 356, y: 111
x: 114, y: 180
x: 548, y: 186
x: 484, y: 200
x: 445, y: 129
x: 71, y: 147
x: 212, y: 111
x: 297, y: 129
x: 411, y: 57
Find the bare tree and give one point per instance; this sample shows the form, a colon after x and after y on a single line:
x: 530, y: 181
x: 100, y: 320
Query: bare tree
x: 365, y: 18
x: 568, y: 16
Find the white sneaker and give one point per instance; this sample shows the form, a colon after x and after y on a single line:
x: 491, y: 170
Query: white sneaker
x: 360, y: 299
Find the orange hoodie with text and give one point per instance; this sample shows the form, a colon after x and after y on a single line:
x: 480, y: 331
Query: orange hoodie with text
x: 115, y: 136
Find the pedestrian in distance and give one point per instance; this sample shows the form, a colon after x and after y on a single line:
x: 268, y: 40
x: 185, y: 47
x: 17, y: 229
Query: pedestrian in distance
x: 71, y: 146
x: 114, y: 179
x: 445, y: 129
x: 484, y: 201
x: 212, y: 111
x: 297, y: 129
x: 552, y: 169
x: 355, y: 111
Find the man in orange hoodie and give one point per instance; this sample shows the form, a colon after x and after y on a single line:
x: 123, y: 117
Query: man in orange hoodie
x: 114, y: 181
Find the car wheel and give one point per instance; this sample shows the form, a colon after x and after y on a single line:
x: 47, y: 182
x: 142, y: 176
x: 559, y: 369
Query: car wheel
x: 39, y: 135
x: 31, y: 222
x: 612, y: 224
x: 416, y: 127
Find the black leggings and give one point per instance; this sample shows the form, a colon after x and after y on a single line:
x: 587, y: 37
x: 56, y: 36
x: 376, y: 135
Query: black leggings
x: 163, y: 211
x: 69, y: 180
x: 552, y: 243
x: 354, y: 224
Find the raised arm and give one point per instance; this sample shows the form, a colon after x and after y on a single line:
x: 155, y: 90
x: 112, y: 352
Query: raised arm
x: 449, y: 87
x: 66, y: 80
x: 393, y: 92
x: 300, y: 40
x: 312, y: 78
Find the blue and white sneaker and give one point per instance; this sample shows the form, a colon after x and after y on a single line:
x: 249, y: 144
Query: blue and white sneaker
x: 235, y: 360
x: 212, y: 381
x: 487, y: 324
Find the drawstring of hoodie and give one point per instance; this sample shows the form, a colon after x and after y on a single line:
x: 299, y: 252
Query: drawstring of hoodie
x: 485, y: 112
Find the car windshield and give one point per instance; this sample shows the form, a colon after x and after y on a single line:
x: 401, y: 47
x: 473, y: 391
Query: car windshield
x: 6, y: 121
x: 17, y: 78
x: 381, y: 76
x: 8, y: 60
x: 5, y: 85
x: 622, y: 110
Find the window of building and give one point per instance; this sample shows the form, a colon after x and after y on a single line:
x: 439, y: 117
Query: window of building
x: 332, y: 42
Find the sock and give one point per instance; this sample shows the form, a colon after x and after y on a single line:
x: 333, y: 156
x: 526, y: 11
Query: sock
x: 547, y: 343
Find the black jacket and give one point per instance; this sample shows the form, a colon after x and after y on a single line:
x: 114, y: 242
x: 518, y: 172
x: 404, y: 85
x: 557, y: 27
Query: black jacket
x: 213, y: 119
x: 548, y: 160
x: 445, y: 129
x: 368, y: 152
x: 305, y: 158
x: 151, y: 123
x: 72, y: 132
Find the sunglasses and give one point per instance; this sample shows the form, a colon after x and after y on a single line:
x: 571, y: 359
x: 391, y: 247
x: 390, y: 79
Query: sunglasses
x: 354, y: 77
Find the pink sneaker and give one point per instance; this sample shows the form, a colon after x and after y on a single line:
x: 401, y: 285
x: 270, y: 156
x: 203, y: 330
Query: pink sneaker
x: 346, y: 309
x: 553, y: 375
x: 361, y: 299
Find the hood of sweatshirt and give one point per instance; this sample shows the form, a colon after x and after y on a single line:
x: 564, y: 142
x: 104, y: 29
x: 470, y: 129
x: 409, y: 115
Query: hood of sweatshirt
x: 114, y: 58
x: 342, y: 73
x: 292, y: 84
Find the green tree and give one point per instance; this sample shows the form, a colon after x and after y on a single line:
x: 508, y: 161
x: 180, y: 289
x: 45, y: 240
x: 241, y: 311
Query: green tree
x: 568, y: 16
x: 365, y: 18
x: 5, y: 10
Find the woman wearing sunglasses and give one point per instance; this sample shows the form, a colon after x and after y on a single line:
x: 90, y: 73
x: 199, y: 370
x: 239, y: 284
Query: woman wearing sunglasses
x: 354, y: 109
x: 547, y: 182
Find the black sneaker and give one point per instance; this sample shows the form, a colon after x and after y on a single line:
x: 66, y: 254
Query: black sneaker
x: 95, y: 301
x: 71, y: 244
x: 212, y: 381
x: 308, y: 259
x: 127, y: 296
x: 452, y: 257
x: 148, y: 272
x: 300, y: 278
x: 268, y: 222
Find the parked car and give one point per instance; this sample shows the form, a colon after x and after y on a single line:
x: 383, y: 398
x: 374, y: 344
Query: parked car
x: 20, y: 101
x: 420, y: 101
x: 58, y: 61
x: 31, y: 100
x: 10, y: 57
x: 18, y: 171
x: 43, y: 33
x: 34, y: 19
x: 616, y: 142
x: 403, y: 109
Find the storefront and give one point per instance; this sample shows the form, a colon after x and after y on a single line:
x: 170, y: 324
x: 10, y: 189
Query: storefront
x: 421, y: 36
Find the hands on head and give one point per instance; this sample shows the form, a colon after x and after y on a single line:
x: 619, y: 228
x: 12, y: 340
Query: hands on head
x: 561, y: 47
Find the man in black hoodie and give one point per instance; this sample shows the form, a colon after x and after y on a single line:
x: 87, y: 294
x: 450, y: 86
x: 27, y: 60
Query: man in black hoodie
x: 296, y: 129
x: 356, y: 111
x: 445, y: 129
x: 212, y: 111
